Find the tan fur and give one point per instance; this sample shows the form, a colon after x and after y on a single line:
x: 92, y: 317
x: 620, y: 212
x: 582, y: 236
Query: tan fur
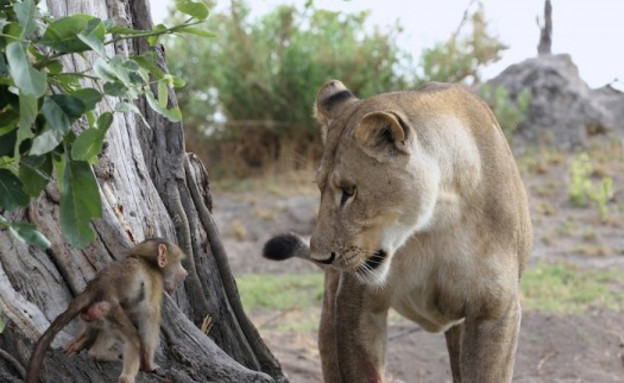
x: 437, y: 190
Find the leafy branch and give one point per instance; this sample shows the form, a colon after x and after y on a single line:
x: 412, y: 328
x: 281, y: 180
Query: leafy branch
x: 40, y: 103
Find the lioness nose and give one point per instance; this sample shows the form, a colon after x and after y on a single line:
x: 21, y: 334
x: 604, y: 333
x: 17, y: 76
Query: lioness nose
x: 319, y: 251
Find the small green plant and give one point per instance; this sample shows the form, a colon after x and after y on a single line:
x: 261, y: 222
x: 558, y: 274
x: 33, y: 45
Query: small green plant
x: 601, y: 195
x: 580, y: 184
x: 42, y: 104
x: 508, y: 112
x: 582, y: 189
x: 280, y: 292
x: 565, y: 288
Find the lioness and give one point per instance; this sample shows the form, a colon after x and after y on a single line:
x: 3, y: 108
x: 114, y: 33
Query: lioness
x: 422, y: 210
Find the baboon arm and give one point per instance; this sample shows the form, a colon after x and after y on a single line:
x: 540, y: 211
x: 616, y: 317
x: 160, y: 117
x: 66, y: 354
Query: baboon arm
x: 360, y: 332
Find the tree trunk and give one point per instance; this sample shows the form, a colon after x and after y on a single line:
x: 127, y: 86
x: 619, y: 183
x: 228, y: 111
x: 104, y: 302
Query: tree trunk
x: 149, y: 187
x: 545, y: 42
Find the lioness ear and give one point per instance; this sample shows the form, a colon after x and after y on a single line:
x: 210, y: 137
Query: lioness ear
x: 331, y: 100
x: 383, y: 133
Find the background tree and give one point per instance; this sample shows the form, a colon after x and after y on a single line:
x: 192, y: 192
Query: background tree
x: 471, y: 47
x: 545, y: 42
x: 149, y: 186
x: 255, y: 84
x: 249, y: 108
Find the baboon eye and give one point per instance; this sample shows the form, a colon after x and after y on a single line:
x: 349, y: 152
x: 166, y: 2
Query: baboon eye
x: 348, y: 191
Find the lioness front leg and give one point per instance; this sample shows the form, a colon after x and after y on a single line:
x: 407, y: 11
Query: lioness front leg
x: 488, y: 346
x: 327, y: 329
x: 453, y: 344
x: 360, y: 331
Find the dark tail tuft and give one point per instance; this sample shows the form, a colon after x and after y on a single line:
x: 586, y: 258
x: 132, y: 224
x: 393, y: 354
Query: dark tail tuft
x: 285, y: 246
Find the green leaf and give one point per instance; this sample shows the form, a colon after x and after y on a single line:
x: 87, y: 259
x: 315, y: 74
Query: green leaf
x: 196, y: 9
x: 4, y: 67
x: 87, y: 146
x: 89, y: 143
x: 58, y: 161
x: 6, y: 129
x: 115, y: 89
x: 27, y: 78
x: 103, y: 70
x: 54, y: 67
x: 120, y: 69
x: 173, y: 114
x: 8, y: 121
x: 26, y: 233
x: 148, y: 61
x: 62, y: 35
x: 14, y: 29
x: 125, y: 107
x: 80, y: 202
x: 89, y: 97
x: 35, y: 173
x: 11, y: 193
x: 93, y: 37
x: 69, y: 80
x: 29, y: 234
x: 25, y: 12
x: 198, y: 32
x: 7, y: 144
x: 153, y: 40
x: 163, y: 93
x: 71, y: 106
x: 28, y: 113
x: 178, y: 82
x: 3, y: 20
x: 60, y: 111
x: 105, y: 120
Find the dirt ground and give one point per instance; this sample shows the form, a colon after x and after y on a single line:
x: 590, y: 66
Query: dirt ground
x: 587, y: 347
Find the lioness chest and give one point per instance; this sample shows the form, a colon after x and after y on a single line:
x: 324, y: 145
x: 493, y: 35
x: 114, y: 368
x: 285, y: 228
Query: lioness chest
x: 437, y: 276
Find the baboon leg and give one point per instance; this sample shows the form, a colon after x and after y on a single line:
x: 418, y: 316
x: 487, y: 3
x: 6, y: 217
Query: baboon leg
x: 122, y: 325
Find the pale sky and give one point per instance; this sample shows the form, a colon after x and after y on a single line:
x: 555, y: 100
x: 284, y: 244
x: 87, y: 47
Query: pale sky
x: 591, y: 31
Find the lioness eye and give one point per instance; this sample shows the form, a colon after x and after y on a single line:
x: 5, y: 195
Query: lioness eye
x: 347, y: 192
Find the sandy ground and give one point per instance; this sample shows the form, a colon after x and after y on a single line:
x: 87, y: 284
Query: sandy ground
x: 553, y: 348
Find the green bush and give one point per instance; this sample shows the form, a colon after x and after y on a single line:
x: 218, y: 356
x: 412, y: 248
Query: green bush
x: 254, y: 85
x: 249, y: 106
x: 583, y: 189
x: 460, y: 58
x: 508, y: 112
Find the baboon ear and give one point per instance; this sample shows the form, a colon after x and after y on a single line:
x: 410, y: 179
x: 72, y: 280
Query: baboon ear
x: 331, y: 100
x: 162, y: 255
x: 384, y: 133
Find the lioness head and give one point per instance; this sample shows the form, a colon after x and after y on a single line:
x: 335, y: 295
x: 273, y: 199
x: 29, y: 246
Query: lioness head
x: 377, y: 188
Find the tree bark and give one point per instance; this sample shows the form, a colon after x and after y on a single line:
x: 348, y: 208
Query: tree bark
x: 149, y: 187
